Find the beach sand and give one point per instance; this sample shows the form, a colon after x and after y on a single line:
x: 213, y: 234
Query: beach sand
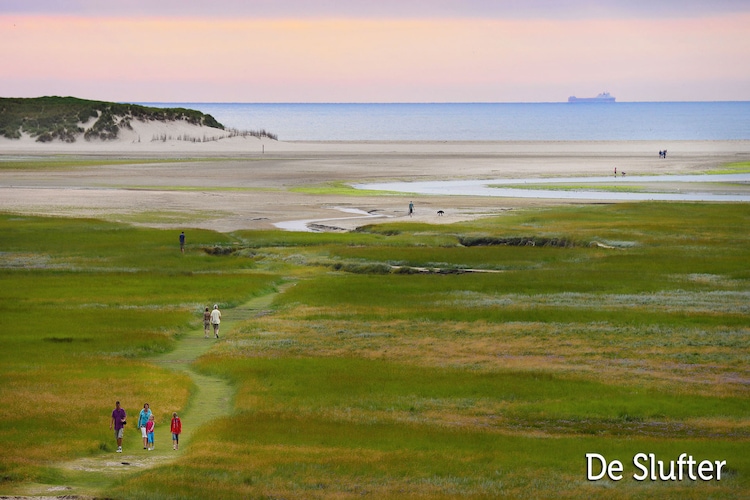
x: 249, y: 183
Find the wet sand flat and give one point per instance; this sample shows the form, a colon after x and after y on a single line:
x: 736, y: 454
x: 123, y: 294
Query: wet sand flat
x: 250, y: 183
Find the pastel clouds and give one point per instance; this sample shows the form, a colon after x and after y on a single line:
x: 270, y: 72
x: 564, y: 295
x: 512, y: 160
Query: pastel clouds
x: 374, y: 59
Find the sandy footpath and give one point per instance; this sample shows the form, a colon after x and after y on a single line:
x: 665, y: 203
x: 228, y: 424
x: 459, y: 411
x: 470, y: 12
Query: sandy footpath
x: 249, y: 183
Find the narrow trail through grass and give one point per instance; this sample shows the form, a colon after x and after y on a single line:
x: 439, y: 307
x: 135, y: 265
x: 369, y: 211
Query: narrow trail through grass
x: 211, y: 399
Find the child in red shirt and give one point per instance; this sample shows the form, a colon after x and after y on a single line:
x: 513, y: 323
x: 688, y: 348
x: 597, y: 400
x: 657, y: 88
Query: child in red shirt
x: 176, y: 428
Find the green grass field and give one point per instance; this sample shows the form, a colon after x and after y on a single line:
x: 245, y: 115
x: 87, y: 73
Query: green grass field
x: 473, y: 360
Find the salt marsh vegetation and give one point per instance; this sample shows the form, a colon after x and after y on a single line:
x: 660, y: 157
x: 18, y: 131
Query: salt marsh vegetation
x: 358, y: 380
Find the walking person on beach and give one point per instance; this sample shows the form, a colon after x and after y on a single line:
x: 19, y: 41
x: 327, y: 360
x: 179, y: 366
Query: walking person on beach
x: 206, y: 323
x: 411, y: 208
x: 118, y: 424
x: 216, y: 320
x: 182, y: 242
x: 150, y: 432
x: 143, y: 418
x: 176, y: 429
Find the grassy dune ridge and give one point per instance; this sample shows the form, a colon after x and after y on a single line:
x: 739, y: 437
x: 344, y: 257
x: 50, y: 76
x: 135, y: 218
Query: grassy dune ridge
x: 361, y: 379
x: 60, y: 118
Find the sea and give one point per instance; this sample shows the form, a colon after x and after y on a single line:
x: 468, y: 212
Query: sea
x: 563, y: 121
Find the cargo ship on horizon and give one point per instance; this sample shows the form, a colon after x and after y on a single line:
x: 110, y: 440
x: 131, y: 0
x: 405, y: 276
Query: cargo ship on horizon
x: 604, y: 97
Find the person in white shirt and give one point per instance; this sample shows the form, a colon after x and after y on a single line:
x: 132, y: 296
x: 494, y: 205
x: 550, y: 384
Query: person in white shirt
x: 215, y: 320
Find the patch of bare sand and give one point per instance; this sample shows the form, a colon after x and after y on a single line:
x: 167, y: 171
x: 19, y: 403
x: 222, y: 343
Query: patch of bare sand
x: 249, y: 183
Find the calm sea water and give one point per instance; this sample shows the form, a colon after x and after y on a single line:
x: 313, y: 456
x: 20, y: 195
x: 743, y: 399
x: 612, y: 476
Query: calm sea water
x: 486, y: 121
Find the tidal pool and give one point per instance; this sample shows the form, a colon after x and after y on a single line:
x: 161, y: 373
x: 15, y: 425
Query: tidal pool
x: 304, y: 225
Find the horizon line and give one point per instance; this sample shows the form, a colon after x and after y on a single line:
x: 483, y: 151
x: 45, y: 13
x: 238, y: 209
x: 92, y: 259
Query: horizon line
x: 428, y: 102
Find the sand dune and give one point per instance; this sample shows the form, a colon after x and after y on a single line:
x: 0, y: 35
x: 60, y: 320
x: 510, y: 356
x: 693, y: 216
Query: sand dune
x: 144, y: 137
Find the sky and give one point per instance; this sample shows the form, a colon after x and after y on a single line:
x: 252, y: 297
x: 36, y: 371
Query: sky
x: 375, y: 51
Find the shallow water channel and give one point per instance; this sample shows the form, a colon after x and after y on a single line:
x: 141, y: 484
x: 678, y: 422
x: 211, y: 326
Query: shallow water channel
x: 498, y: 188
x: 484, y: 187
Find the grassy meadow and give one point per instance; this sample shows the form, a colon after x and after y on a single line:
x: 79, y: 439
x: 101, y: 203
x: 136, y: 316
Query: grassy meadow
x: 475, y: 360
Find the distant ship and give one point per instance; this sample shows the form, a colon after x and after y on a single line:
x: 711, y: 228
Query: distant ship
x: 603, y: 97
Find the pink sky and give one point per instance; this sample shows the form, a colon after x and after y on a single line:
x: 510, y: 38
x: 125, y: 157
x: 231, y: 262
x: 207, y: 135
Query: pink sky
x: 319, y: 56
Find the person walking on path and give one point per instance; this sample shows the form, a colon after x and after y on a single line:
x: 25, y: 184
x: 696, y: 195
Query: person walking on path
x: 118, y: 424
x: 182, y: 242
x: 143, y: 418
x: 206, y: 322
x: 216, y: 320
x: 411, y: 208
x: 150, y: 432
x: 176, y: 429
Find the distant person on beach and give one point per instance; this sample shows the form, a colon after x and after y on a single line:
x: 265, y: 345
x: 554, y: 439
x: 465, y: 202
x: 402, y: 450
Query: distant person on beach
x: 615, y: 171
x: 411, y: 208
x: 143, y: 417
x: 206, y: 323
x: 182, y: 242
x: 150, y: 432
x: 216, y: 320
x: 118, y: 424
x: 176, y: 429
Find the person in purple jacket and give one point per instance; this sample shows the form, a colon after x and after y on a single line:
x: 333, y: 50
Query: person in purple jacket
x: 118, y: 423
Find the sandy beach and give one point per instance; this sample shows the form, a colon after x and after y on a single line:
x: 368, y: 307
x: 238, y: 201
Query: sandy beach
x: 237, y: 183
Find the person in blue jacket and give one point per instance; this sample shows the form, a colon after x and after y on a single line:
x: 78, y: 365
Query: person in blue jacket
x: 143, y: 417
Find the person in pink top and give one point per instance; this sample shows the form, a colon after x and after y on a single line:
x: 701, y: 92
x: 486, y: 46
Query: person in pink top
x: 150, y: 432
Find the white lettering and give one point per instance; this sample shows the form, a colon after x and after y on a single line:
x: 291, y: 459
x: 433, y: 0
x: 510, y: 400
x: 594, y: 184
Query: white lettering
x: 667, y: 477
x: 649, y: 467
x: 691, y: 472
x: 637, y: 462
x: 611, y: 470
x: 705, y: 469
x: 602, y: 464
x: 615, y: 466
x: 652, y: 462
x: 719, y: 465
x: 681, y: 463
